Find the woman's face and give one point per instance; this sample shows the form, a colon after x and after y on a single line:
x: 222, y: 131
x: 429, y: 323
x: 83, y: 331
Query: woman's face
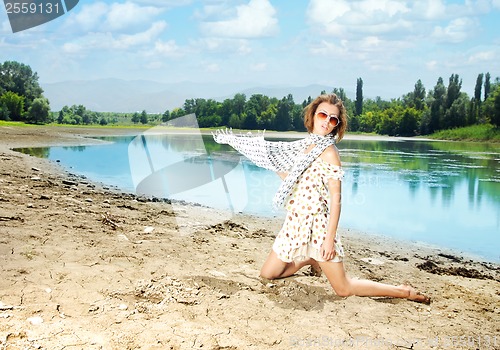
x: 324, y: 126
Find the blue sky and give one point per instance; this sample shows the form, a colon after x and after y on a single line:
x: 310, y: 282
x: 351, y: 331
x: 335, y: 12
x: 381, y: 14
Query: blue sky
x: 390, y: 44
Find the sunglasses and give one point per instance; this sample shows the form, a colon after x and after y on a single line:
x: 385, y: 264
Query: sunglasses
x: 332, y: 118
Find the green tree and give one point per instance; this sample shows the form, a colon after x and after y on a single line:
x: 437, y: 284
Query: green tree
x: 268, y: 117
x: 359, y: 97
x: 307, y: 102
x: 475, y: 103
x: 368, y: 121
x: 453, y: 91
x: 20, y: 79
x: 487, y: 86
x: 189, y: 106
x: 14, y: 104
x: 39, y: 111
x: 390, y: 119
x: 491, y: 107
x: 478, y: 88
x: 283, y: 115
x: 408, y: 125
x: 416, y: 99
x: 165, y: 116
x: 437, y: 106
x: 239, y: 101
x: 254, y: 107
x: 144, y: 117
x: 4, y: 112
x: 235, y: 121
x: 226, y: 110
x: 455, y: 116
x: 340, y: 92
x: 298, y: 118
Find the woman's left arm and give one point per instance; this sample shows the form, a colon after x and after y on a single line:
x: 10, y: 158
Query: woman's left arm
x: 335, y: 190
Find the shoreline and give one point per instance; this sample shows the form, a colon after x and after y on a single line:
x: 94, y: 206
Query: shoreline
x: 85, y: 136
x: 90, y: 267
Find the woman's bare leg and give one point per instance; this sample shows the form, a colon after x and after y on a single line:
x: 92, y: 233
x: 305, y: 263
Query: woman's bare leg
x: 275, y: 268
x: 345, y: 286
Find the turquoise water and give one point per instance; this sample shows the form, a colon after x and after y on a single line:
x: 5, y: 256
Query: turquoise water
x: 445, y: 194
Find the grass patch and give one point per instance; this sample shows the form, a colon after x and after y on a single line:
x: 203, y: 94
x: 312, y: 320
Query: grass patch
x: 481, y: 133
x: 10, y: 123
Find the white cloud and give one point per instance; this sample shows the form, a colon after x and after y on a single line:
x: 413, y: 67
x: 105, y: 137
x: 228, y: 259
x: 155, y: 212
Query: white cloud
x: 5, y: 27
x: 496, y: 4
x: 108, y: 41
x: 72, y: 48
x: 167, y: 48
x: 483, y: 56
x: 126, y: 41
x: 430, y: 9
x: 386, y: 7
x: 212, y: 67
x: 164, y: 3
x: 223, y: 45
x: 254, y: 20
x: 432, y: 65
x: 339, y: 17
x: 258, y: 67
x: 101, y: 17
x: 330, y: 49
x: 458, y: 30
x: 127, y: 14
x: 89, y: 17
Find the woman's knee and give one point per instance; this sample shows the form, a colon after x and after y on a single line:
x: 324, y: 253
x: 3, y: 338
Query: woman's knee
x: 342, y: 291
x: 264, y: 273
x: 339, y: 281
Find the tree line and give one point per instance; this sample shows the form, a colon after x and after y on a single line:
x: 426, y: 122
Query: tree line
x: 418, y: 112
x: 415, y: 113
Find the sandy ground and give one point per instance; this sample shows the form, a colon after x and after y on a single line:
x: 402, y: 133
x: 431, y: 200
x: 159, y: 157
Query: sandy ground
x: 87, y: 267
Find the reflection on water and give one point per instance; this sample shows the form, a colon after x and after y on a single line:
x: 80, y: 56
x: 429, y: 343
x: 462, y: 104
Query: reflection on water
x: 441, y: 193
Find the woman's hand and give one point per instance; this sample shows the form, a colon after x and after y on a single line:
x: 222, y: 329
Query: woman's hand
x: 327, y: 249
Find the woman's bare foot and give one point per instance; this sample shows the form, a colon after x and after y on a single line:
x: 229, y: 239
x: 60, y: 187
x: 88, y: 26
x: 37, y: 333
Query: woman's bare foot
x: 416, y: 296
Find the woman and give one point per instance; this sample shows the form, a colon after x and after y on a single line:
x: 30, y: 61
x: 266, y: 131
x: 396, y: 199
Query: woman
x: 311, y: 194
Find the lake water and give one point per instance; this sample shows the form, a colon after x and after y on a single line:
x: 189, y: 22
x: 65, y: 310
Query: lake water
x: 446, y: 194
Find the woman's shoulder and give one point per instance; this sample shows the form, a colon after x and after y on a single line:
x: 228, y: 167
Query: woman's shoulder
x: 331, y: 155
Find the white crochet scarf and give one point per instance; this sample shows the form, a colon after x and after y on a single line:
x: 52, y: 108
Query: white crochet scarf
x: 277, y: 156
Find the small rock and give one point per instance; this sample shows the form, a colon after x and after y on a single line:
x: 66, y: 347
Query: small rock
x: 48, y: 290
x: 123, y: 307
x: 217, y: 273
x: 122, y: 237
x: 373, y: 261
x: 69, y: 183
x: 35, y: 169
x: 88, y: 200
x: 36, y: 178
x: 93, y: 308
x: 149, y: 229
x: 35, y: 320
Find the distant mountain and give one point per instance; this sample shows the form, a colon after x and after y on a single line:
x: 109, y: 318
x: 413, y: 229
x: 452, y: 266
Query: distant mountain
x: 116, y: 95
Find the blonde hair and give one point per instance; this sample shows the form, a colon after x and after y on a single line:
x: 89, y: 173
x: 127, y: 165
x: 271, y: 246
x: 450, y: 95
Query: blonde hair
x: 333, y: 99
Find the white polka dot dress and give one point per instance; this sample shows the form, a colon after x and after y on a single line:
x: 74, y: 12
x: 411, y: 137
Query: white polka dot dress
x: 305, y: 226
